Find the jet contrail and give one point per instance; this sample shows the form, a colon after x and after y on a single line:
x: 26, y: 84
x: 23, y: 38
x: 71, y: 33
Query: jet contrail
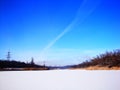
x: 86, y: 8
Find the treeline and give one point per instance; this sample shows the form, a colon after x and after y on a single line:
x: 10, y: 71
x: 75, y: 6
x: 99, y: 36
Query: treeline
x: 5, y: 65
x: 108, y: 59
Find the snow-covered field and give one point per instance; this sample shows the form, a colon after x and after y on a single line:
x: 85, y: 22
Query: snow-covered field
x: 60, y: 80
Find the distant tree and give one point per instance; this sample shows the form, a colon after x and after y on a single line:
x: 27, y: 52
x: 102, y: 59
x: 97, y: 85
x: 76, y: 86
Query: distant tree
x: 32, y: 61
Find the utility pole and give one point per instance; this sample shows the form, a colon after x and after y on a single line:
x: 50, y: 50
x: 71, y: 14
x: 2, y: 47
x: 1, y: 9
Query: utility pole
x: 8, y: 56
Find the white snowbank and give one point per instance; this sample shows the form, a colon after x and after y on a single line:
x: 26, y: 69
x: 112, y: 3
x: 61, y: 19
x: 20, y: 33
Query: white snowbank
x: 60, y: 80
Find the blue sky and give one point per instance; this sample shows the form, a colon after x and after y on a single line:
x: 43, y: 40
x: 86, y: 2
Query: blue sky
x: 58, y: 32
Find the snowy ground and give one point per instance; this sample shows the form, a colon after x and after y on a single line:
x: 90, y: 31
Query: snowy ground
x: 60, y: 80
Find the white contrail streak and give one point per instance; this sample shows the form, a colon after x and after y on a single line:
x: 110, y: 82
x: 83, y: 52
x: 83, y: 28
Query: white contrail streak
x: 87, y: 7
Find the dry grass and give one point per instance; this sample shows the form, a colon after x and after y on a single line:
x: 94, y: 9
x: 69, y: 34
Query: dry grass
x: 102, y: 68
x: 22, y: 69
x: 97, y: 68
x: 35, y: 68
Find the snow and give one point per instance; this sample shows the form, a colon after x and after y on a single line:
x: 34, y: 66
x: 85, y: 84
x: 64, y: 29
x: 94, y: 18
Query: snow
x: 60, y: 80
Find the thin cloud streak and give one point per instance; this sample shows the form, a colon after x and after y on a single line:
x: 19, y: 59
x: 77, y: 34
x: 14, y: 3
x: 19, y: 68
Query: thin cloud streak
x: 79, y: 18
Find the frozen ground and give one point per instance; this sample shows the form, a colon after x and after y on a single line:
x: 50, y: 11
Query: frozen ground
x: 60, y: 80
